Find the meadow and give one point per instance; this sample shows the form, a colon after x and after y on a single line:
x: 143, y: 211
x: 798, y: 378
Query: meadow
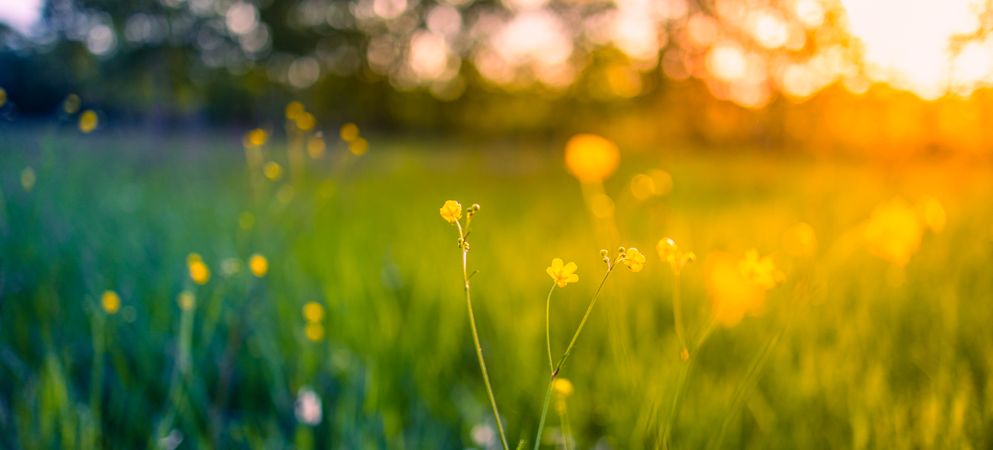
x: 348, y: 329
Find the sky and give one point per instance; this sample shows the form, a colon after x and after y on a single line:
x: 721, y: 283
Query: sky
x: 20, y: 14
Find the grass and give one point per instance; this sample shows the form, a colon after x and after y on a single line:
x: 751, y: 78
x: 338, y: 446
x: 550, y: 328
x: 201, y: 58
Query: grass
x: 850, y: 351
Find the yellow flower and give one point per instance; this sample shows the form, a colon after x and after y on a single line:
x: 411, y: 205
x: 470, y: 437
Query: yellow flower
x: 349, y: 132
x: 894, y: 232
x: 88, y: 121
x: 633, y: 259
x: 110, y: 302
x: 294, y: 109
x: 199, y: 272
x: 591, y: 158
x: 258, y: 264
x: 255, y: 138
x: 272, y: 170
x: 562, y: 274
x: 316, y: 146
x: 731, y: 294
x: 186, y: 300
x: 451, y: 211
x: 305, y: 121
x: 738, y: 286
x: 3, y: 97
x: 761, y: 272
x: 562, y: 387
x: 314, y: 331
x: 358, y: 146
x: 313, y: 312
x: 670, y: 254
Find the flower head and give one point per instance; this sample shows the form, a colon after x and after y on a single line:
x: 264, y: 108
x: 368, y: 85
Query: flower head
x: 110, y: 302
x: 88, y: 121
x: 737, y: 286
x: 670, y: 254
x: 255, y: 138
x: 760, y: 271
x: 894, y: 232
x: 634, y: 259
x: 451, y: 211
x: 591, y: 158
x: 562, y: 387
x: 313, y: 312
x: 258, y: 264
x: 314, y: 331
x: 562, y: 274
x: 199, y: 272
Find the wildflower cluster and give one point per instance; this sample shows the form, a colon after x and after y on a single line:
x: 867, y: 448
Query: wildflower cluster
x: 313, y: 316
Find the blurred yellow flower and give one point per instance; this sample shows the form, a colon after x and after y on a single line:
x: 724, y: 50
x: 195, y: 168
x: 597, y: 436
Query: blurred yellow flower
x: 633, y: 259
x: 562, y: 387
x: 314, y: 331
x: 88, y: 121
x: 3, y: 97
x: 349, y: 132
x: 28, y: 179
x: 316, y: 146
x: 670, y: 254
x: 258, y: 264
x: 894, y: 232
x: 294, y: 109
x: 800, y: 240
x: 71, y: 104
x: 272, y: 170
x: 255, y: 138
x: 655, y: 183
x: 313, y: 312
x: 562, y: 274
x: 305, y: 121
x: 737, y: 286
x: 591, y: 158
x: 451, y: 211
x: 186, y: 300
x: 199, y: 272
x: 761, y: 271
x: 110, y: 302
x: 358, y: 146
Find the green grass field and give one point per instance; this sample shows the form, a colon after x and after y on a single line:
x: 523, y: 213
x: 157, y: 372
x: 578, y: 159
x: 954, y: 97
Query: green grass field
x: 849, y: 351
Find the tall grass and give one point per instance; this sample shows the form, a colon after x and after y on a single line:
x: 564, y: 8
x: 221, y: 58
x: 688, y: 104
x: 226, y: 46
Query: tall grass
x: 851, y: 351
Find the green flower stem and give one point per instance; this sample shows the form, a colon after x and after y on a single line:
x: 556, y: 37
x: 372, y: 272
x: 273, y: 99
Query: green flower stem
x: 548, y: 337
x: 677, y: 311
x: 565, y: 356
x: 475, y: 340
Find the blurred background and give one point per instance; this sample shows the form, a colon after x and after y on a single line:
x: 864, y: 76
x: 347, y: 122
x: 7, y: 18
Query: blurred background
x: 829, y: 75
x: 219, y: 223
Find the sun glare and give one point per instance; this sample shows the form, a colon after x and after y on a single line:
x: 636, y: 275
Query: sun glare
x: 910, y: 44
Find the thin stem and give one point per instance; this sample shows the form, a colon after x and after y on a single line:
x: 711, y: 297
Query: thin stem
x: 677, y: 311
x: 479, y: 348
x: 548, y: 337
x: 565, y: 356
